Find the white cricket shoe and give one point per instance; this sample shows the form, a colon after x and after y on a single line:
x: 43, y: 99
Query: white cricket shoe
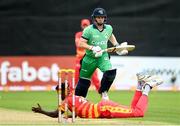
x: 152, y: 81
x: 104, y: 96
x: 142, y: 77
x: 141, y: 80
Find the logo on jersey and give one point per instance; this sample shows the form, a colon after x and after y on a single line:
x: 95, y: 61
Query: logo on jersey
x: 99, y: 43
x: 106, y: 35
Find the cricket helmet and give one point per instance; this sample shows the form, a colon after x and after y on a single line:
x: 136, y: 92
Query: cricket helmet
x: 99, y: 12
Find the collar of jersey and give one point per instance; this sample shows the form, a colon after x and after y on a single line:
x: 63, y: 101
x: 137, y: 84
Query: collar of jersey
x: 94, y: 26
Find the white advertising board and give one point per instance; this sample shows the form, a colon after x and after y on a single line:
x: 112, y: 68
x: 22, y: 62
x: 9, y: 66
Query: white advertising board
x: 127, y: 67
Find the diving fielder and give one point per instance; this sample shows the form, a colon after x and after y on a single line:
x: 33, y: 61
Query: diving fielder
x: 108, y: 108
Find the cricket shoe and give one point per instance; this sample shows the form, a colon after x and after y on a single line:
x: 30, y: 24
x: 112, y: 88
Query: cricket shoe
x: 152, y: 81
x: 142, y: 77
x: 104, y: 96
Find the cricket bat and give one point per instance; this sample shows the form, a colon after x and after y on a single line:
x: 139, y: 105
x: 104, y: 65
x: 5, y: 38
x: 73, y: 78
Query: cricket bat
x: 120, y: 48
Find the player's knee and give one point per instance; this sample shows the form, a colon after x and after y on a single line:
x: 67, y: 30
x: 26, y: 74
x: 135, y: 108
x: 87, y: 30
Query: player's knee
x: 110, y: 74
x: 82, y: 87
x: 107, y: 80
x: 138, y: 112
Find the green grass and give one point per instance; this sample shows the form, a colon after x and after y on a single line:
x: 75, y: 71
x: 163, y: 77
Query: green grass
x: 163, y: 106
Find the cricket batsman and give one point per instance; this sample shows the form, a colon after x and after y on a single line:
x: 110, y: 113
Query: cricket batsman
x: 108, y: 108
x: 94, y: 39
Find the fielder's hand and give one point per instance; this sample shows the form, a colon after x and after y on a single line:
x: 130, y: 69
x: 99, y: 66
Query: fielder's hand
x: 37, y: 109
x: 97, y: 51
x: 124, y: 51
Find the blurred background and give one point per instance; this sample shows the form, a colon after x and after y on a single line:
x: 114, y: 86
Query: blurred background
x: 37, y: 38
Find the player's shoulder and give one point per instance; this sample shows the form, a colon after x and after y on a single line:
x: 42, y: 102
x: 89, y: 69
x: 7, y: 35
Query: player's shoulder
x: 89, y: 27
x: 108, y: 26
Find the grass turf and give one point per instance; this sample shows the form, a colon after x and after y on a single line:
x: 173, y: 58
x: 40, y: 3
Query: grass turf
x: 163, y: 107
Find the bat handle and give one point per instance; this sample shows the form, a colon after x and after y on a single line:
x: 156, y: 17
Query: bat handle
x: 104, y: 50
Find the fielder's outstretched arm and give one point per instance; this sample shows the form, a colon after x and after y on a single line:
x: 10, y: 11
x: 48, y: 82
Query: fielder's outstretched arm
x: 53, y: 114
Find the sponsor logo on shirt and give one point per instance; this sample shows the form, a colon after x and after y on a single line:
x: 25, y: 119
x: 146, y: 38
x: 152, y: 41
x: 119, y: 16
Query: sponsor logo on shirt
x: 100, y: 43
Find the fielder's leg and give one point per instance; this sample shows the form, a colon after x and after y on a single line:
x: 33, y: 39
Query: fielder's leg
x: 148, y: 82
x: 138, y: 92
x: 77, y: 69
x: 95, y: 80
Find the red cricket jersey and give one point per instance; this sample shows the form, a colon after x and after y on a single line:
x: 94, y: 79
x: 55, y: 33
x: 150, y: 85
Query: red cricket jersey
x: 83, y: 107
x: 106, y: 108
x: 103, y: 109
x: 79, y: 51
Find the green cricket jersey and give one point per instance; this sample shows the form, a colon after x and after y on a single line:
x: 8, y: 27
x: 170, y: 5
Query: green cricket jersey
x: 96, y: 37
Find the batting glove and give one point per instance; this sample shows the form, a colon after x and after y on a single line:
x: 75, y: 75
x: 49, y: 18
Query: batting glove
x: 123, y: 44
x: 97, y: 51
x: 124, y: 51
x: 98, y: 54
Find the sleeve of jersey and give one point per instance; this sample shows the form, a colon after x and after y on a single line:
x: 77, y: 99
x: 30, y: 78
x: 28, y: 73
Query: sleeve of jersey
x: 86, y: 33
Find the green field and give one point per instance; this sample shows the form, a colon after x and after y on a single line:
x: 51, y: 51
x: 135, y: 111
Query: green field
x: 164, y: 107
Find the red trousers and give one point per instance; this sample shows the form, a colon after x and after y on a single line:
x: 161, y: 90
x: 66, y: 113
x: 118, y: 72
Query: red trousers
x: 110, y: 109
x: 94, y: 80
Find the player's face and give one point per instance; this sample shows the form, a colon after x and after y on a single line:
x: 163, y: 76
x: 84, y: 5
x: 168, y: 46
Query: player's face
x: 63, y: 96
x: 100, y: 20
